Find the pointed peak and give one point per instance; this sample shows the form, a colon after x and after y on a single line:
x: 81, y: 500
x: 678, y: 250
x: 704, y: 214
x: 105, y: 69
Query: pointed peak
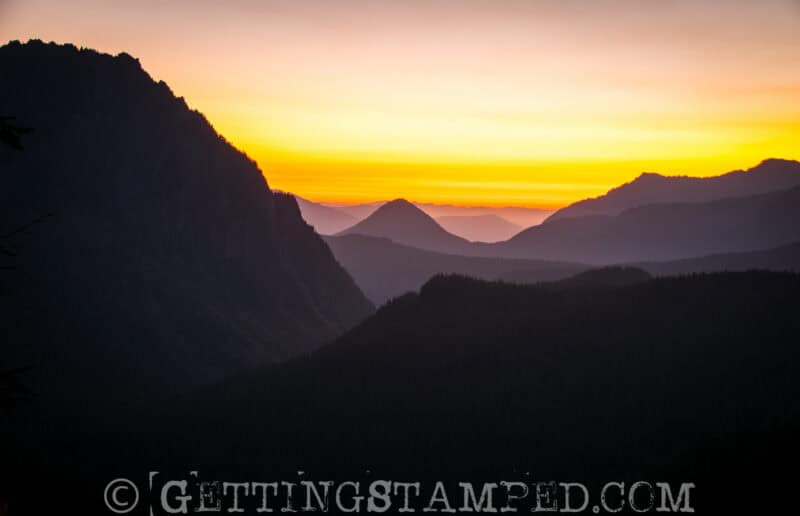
x: 397, y: 203
x: 399, y: 206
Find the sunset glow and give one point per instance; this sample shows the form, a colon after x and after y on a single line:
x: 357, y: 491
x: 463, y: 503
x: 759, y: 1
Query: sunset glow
x: 526, y: 103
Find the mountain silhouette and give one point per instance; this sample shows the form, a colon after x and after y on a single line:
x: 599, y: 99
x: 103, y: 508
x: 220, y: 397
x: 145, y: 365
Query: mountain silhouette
x: 785, y: 258
x: 651, y: 232
x: 661, y: 378
x: 781, y: 259
x: 324, y: 219
x: 770, y: 175
x: 689, y: 379
x: 168, y: 262
x: 479, y: 228
x: 475, y: 223
x: 662, y: 232
x: 404, y: 223
x: 384, y: 269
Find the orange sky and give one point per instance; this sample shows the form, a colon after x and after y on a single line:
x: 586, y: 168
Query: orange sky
x: 478, y: 102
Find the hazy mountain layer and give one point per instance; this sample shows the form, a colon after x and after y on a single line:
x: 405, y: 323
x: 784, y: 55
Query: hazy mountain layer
x: 662, y: 232
x: 769, y: 176
x: 479, y: 228
x: 325, y: 220
x: 384, y: 269
x: 478, y: 223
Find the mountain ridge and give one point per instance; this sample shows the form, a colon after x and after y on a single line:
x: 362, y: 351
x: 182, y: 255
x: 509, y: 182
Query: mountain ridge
x: 772, y: 174
x: 549, y: 369
x: 662, y: 232
x: 384, y: 269
x: 168, y: 259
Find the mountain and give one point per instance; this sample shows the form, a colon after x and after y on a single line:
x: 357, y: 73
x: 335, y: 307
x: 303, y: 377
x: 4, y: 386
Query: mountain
x: 162, y: 260
x: 770, y: 175
x: 662, y: 232
x: 523, y: 217
x: 324, y: 219
x: 683, y: 379
x: 690, y: 379
x: 479, y: 228
x: 404, y: 223
x: 781, y: 259
x: 358, y: 211
x: 477, y: 223
x: 784, y: 258
x: 384, y: 269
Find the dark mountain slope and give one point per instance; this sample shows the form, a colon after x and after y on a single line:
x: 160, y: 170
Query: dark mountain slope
x: 770, y: 175
x: 680, y: 379
x: 663, y: 232
x: 384, y: 269
x: 167, y: 261
x: 692, y: 377
x: 404, y: 223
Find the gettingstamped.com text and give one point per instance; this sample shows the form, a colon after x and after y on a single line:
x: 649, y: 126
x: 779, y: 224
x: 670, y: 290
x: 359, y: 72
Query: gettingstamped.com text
x: 160, y: 494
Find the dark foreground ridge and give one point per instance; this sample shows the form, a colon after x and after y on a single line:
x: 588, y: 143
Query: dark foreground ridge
x: 167, y: 261
x: 689, y: 379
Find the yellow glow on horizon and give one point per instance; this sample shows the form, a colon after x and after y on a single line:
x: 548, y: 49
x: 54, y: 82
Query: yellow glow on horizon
x: 503, y: 103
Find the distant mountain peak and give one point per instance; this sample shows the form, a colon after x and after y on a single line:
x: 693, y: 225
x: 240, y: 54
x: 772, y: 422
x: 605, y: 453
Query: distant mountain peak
x: 404, y: 223
x: 400, y: 202
x: 402, y: 208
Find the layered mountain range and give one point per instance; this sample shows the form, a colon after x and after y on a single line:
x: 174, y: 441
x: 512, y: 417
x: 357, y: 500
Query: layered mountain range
x: 648, y: 224
x: 149, y: 271
x: 473, y: 223
x: 649, y: 188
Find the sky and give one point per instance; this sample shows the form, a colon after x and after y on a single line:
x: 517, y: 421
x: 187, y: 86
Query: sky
x: 533, y: 103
